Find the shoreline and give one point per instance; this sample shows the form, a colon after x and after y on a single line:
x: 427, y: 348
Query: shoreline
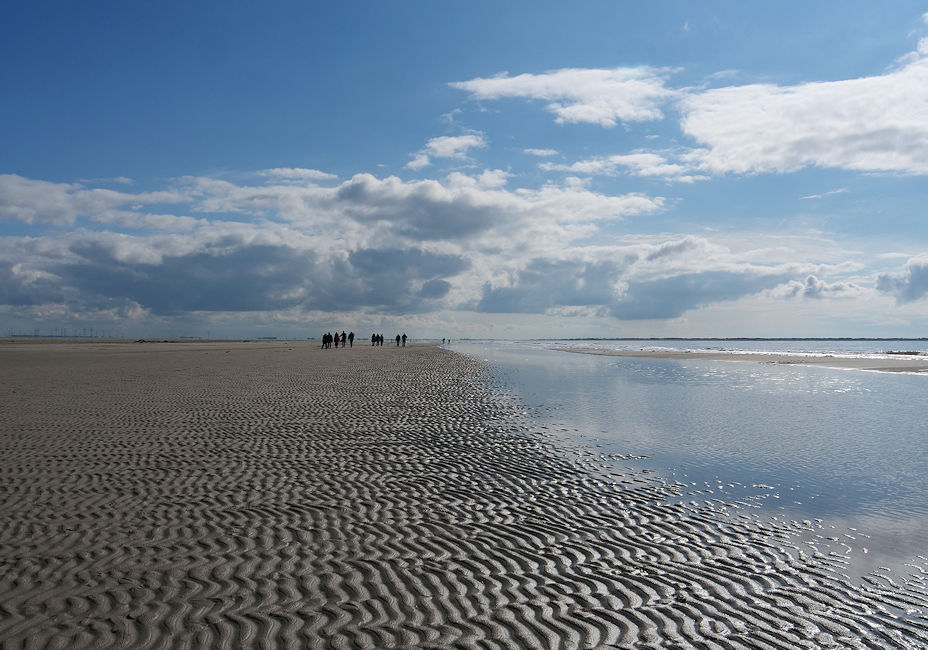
x: 904, y: 363
x: 226, y: 495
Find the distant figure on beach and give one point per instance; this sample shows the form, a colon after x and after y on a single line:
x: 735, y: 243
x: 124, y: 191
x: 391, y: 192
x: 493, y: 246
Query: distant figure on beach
x: 397, y: 340
x: 344, y: 338
x: 336, y: 340
x: 404, y: 339
x: 380, y: 339
x: 443, y: 340
x: 325, y: 340
x: 350, y: 339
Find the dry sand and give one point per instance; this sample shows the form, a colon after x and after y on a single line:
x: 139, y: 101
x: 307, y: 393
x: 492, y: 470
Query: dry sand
x: 895, y: 363
x: 274, y: 494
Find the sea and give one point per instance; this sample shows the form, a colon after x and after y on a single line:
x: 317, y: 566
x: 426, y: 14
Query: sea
x: 845, y: 448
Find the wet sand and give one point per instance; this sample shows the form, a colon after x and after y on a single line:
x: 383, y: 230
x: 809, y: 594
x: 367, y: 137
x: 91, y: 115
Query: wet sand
x: 271, y: 493
x: 895, y: 363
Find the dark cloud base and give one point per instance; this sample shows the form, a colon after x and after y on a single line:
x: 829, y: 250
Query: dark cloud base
x: 547, y: 285
x: 252, y: 278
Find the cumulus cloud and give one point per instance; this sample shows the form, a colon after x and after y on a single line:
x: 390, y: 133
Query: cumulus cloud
x: 867, y: 124
x: 908, y: 285
x: 462, y: 206
x: 544, y: 285
x: 493, y: 178
x: 252, y: 278
x: 36, y: 201
x: 403, y: 280
x: 448, y: 146
x: 383, y: 244
x: 367, y: 243
x: 454, y: 146
x: 658, y: 280
x: 639, y: 163
x: 671, y: 297
x: 457, y: 206
x: 21, y: 286
x: 596, y: 96
x: 815, y: 288
x: 872, y: 124
x: 222, y: 269
x: 419, y: 161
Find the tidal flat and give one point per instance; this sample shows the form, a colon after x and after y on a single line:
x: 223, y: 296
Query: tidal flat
x: 238, y: 494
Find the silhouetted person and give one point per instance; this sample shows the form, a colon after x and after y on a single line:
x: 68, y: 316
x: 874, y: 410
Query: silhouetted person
x: 373, y: 340
x: 344, y: 338
x: 350, y: 339
x: 336, y: 340
x: 404, y: 339
x: 397, y: 340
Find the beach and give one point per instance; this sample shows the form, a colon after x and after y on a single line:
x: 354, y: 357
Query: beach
x: 271, y: 493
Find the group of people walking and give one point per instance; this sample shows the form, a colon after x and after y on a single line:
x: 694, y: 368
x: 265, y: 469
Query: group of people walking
x: 377, y: 339
x: 347, y: 340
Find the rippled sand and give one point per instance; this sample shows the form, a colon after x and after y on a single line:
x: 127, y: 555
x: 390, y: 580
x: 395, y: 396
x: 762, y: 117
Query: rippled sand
x: 229, y: 495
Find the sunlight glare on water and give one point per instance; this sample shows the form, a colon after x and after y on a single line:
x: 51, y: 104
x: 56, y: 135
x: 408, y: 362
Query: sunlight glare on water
x: 848, y: 447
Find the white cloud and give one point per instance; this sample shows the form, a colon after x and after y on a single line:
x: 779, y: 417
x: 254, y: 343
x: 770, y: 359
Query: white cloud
x: 868, y: 124
x: 640, y: 163
x: 454, y: 146
x: 841, y: 190
x: 541, y: 153
x: 466, y: 241
x: 462, y: 206
x: 419, y: 161
x: 448, y: 146
x: 296, y: 173
x: 596, y: 96
x: 493, y: 178
x: 121, y: 180
x: 814, y: 288
x: 34, y: 201
x: 314, y: 247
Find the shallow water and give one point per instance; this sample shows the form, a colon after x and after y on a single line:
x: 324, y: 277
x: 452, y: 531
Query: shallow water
x: 805, y: 443
x: 840, y: 347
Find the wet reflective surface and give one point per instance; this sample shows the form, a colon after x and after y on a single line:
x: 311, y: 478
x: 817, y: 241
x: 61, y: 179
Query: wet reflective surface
x: 847, y: 447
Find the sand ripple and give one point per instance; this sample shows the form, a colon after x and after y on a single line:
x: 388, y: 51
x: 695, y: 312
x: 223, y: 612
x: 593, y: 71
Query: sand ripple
x: 263, y: 495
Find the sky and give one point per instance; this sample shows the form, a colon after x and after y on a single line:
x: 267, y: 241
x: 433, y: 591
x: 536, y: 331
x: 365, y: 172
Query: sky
x: 449, y: 169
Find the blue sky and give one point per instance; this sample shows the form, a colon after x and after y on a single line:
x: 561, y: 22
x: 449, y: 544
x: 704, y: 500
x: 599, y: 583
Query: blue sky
x: 464, y: 169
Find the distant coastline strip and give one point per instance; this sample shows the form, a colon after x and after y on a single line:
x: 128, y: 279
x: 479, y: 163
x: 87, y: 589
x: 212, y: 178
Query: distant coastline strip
x: 897, y: 363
